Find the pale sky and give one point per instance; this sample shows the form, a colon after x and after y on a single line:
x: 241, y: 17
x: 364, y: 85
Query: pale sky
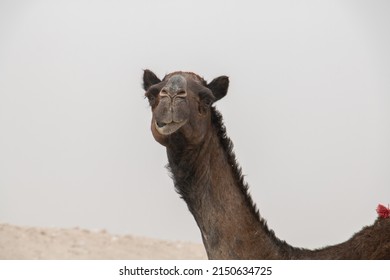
x: 308, y: 111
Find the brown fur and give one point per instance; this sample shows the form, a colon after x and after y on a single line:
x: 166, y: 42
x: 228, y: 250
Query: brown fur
x: 207, y: 176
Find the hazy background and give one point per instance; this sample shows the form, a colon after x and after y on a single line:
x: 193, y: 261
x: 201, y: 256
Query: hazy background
x: 308, y: 110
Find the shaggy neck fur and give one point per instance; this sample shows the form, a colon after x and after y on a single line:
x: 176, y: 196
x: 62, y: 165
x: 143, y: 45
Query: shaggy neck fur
x: 209, y: 179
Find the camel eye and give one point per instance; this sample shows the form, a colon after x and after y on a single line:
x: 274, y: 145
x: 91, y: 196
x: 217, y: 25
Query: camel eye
x: 204, y: 105
x: 151, y: 94
x: 151, y: 99
x: 206, y: 98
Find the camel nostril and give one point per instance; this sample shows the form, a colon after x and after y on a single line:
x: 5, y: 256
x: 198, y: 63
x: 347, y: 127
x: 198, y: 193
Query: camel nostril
x: 161, y: 124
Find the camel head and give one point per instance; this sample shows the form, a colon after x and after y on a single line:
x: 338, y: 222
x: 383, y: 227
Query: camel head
x: 180, y: 104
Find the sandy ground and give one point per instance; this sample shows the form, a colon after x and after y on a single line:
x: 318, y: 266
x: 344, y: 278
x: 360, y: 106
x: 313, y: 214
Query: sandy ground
x: 54, y: 243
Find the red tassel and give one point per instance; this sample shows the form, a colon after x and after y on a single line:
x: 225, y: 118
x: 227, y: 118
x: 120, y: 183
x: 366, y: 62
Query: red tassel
x: 383, y: 211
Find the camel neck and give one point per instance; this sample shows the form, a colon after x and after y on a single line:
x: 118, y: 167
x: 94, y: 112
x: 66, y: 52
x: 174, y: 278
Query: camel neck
x: 209, y: 180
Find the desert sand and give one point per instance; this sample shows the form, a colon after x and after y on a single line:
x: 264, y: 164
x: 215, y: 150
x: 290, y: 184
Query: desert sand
x: 23, y: 243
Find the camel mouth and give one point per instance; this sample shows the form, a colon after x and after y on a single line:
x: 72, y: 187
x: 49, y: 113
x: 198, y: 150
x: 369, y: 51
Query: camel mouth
x: 168, y: 128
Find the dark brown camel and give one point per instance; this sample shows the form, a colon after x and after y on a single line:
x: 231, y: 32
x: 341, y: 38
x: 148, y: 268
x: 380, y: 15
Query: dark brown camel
x: 208, y: 178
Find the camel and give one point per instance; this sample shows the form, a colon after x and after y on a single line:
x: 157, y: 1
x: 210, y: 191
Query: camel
x: 208, y: 178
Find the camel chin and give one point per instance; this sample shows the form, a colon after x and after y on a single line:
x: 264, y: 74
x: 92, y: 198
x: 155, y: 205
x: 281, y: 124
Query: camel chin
x: 169, y: 128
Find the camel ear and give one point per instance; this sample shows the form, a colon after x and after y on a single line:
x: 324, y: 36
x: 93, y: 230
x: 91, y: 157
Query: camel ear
x: 150, y: 79
x: 219, y: 86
